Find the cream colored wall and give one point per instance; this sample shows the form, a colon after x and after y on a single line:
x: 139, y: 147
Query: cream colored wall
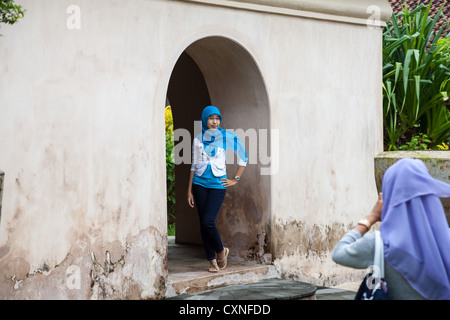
x: 81, y: 120
x: 334, y: 108
x: 82, y: 147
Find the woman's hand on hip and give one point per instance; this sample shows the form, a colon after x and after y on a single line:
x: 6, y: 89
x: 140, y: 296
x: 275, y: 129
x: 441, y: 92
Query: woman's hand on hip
x: 228, y: 182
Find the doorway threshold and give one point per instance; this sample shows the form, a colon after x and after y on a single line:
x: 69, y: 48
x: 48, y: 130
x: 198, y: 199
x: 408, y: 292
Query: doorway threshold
x: 188, y: 271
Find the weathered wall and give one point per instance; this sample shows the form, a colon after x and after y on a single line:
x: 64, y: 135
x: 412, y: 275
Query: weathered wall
x: 328, y: 110
x: 82, y: 138
x: 78, y: 130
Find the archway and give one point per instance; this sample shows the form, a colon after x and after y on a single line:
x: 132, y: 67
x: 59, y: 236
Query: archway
x: 220, y: 72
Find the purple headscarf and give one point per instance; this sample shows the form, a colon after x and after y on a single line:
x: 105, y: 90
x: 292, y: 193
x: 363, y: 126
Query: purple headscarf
x: 414, y: 228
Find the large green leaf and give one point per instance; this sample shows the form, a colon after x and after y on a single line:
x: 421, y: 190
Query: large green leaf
x: 415, y: 57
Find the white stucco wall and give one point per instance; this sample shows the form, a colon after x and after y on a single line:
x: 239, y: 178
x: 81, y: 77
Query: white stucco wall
x: 82, y: 137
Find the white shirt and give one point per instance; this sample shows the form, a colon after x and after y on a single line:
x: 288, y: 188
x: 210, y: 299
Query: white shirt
x: 200, y: 160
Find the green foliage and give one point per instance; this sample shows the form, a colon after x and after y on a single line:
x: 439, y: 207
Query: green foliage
x: 442, y: 146
x: 10, y: 12
x: 418, y: 142
x: 170, y: 166
x: 171, y: 229
x: 416, y: 72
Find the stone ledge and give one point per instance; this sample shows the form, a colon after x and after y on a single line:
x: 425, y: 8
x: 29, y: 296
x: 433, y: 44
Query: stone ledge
x: 193, y: 282
x: 437, y: 163
x: 268, y: 289
x: 355, y: 9
x: 349, y: 11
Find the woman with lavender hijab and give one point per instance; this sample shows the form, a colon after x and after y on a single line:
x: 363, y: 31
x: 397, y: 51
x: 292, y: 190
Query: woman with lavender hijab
x: 415, y: 233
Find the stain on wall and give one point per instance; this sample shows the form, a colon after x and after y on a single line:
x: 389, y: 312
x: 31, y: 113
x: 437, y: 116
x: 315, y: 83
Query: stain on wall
x: 244, y: 220
x: 304, y: 253
x: 133, y: 269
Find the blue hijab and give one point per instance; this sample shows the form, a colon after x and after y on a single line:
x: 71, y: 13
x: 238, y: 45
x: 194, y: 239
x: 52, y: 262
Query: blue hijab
x: 414, y: 228
x: 212, y: 139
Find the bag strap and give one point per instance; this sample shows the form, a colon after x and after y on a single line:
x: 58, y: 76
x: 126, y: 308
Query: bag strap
x: 379, y: 253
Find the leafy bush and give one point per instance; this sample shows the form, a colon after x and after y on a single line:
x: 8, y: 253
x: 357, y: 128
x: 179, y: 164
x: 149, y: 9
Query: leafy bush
x: 170, y: 166
x: 416, y: 72
x: 442, y: 146
x: 171, y: 229
x: 419, y: 142
x: 10, y: 12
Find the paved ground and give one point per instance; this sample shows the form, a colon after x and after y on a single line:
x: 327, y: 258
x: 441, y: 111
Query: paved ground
x: 187, y: 267
x: 267, y: 289
x: 334, y: 294
x: 270, y: 289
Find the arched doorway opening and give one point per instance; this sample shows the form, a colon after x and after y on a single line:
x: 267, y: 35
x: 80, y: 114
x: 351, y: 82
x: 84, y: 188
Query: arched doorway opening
x: 219, y: 71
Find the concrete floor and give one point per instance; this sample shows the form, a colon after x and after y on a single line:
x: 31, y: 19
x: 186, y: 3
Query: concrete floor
x: 189, y: 279
x: 188, y: 270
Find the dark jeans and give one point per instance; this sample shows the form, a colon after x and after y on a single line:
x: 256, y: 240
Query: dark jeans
x: 209, y: 201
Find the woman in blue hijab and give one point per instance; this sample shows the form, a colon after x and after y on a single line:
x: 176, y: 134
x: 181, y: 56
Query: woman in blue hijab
x: 208, y: 180
x: 414, y: 230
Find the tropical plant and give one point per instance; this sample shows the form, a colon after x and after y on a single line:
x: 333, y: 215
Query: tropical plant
x: 170, y: 166
x: 443, y: 146
x: 416, y: 72
x: 418, y: 142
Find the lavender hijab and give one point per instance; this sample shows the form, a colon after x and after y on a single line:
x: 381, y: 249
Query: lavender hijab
x: 414, y: 228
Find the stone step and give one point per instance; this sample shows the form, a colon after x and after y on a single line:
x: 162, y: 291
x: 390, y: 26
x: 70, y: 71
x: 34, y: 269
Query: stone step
x: 189, y: 278
x: 188, y: 270
x: 236, y: 273
x: 265, y: 289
